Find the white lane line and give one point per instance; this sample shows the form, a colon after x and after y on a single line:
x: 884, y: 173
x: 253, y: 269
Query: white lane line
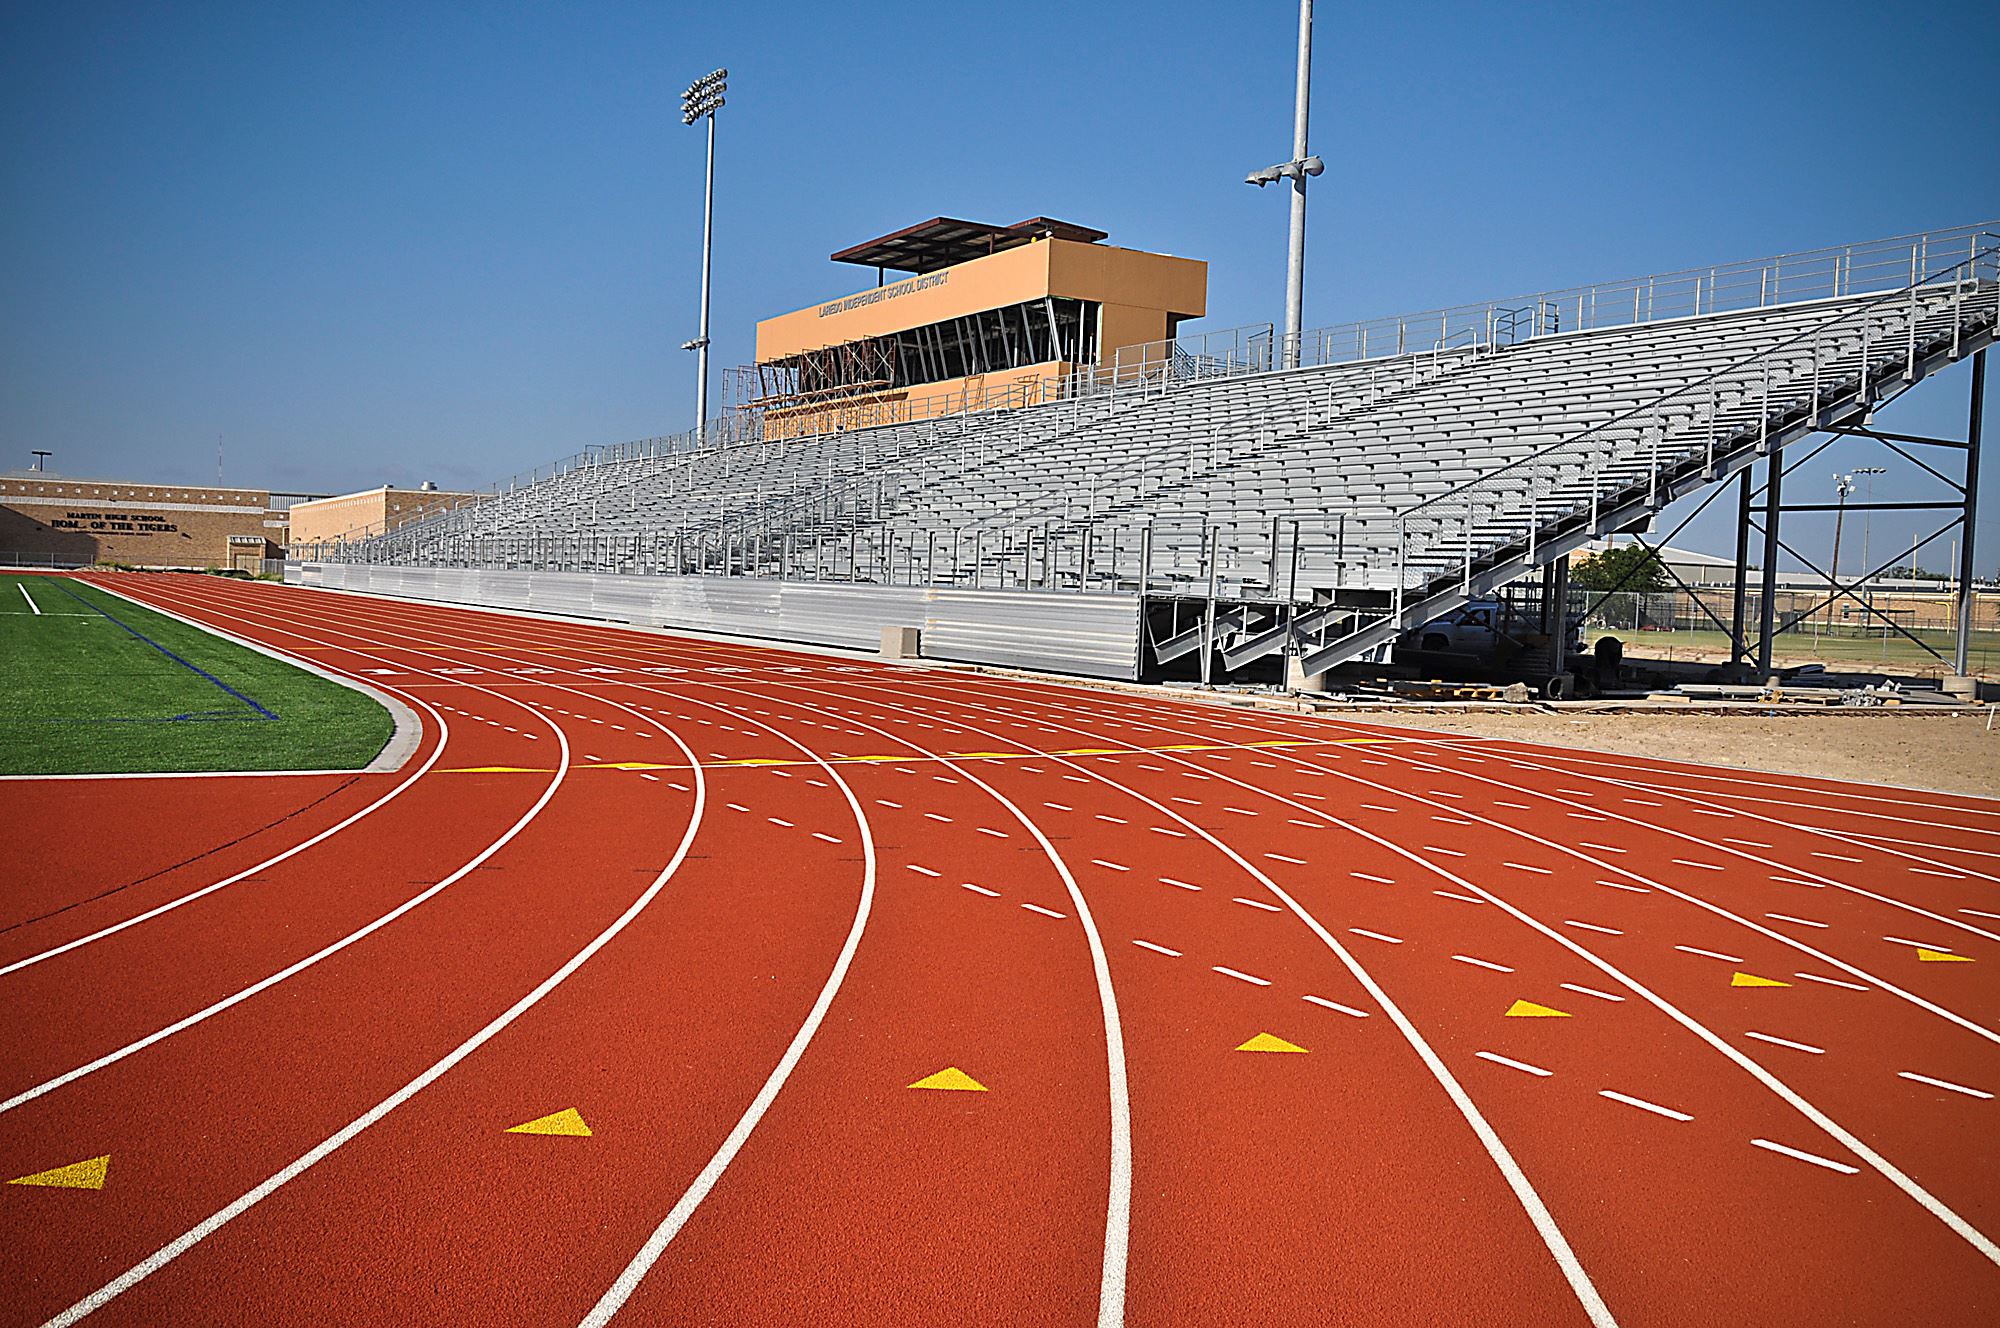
x: 1831, y: 982
x: 1601, y: 848
x: 1949, y: 876
x: 1836, y: 857
x: 1973, y: 911
x: 1591, y: 926
x: 989, y: 830
x: 821, y: 834
x: 22, y: 586
x: 1644, y: 1105
x: 1522, y: 866
x: 1944, y: 1084
x: 1183, y: 885
x: 1747, y: 843
x: 1258, y: 903
x: 1379, y: 880
x: 1375, y: 935
x: 774, y: 820
x: 1057, y: 806
x: 1513, y: 1064
x: 1279, y: 857
x: 1482, y: 963
x: 1517, y: 806
x: 1787, y: 1042
x: 1376, y: 807
x: 1447, y: 894
x: 1705, y: 866
x: 1448, y: 852
x: 1793, y: 880
x: 924, y: 871
x: 934, y: 816
x: 1162, y: 830
x: 1045, y: 912
x: 1709, y: 954
x: 1589, y: 991
x: 979, y: 889
x: 1921, y: 945
x: 644, y: 775
x: 884, y: 802
x: 1110, y: 866
x: 1242, y: 976
x: 1621, y: 885
x: 1326, y: 1004
x: 1115, y: 820
x: 1158, y: 949
x: 1813, y: 1158
x: 1803, y: 922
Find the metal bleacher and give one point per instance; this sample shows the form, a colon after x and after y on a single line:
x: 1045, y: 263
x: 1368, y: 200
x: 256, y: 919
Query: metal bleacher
x: 1406, y: 466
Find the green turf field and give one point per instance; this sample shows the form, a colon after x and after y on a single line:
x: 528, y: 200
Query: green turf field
x: 95, y: 684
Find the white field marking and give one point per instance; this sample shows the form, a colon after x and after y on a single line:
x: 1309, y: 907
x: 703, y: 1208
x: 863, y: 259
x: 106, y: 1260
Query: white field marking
x: 1513, y: 1064
x: 1793, y: 880
x: 22, y: 586
x: 1448, y: 852
x: 1601, y: 848
x: 1239, y: 811
x: 1803, y: 922
x: 1637, y: 802
x: 1115, y: 820
x: 1168, y: 880
x: 1374, y: 808
x: 1837, y: 857
x: 1586, y: 816
x: 1057, y: 806
x: 1747, y: 843
x: 1709, y: 954
x: 1622, y: 885
x: 1977, y: 914
x: 1831, y: 982
x: 1710, y: 811
x: 779, y: 821
x: 1380, y: 880
x: 1592, y: 926
x: 1158, y: 949
x: 989, y: 830
x: 1376, y: 935
x: 1326, y: 1004
x: 1522, y: 866
x: 1109, y: 866
x: 924, y: 871
x: 1466, y: 899
x: 1935, y: 848
x: 1921, y: 945
x: 1304, y: 825
x: 1187, y: 802
x: 1813, y: 1158
x: 1644, y: 1105
x: 1589, y: 991
x: 1162, y: 830
x: 1944, y: 1084
x: 1241, y: 976
x: 1045, y: 912
x: 1690, y: 862
x: 1440, y: 793
x: 1257, y: 903
x: 1279, y: 857
x: 1949, y: 876
x: 935, y: 816
x: 884, y: 802
x: 644, y: 775
x: 736, y: 807
x: 1517, y: 806
x: 821, y: 834
x: 167, y: 1253
x: 1787, y: 1042
x: 1482, y: 963
x: 1451, y: 820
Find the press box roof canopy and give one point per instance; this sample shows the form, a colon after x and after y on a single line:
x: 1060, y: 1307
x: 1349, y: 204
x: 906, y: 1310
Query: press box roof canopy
x: 945, y: 241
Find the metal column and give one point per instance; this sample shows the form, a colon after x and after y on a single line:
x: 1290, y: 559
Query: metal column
x: 1295, y: 267
x: 1738, y: 644
x: 1767, y: 617
x: 1961, y: 649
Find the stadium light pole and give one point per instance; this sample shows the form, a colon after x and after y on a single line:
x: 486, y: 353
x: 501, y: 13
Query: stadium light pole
x: 700, y: 102
x: 1296, y: 170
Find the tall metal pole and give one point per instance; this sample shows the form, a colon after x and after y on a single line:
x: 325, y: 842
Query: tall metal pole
x: 1961, y: 652
x: 707, y: 249
x: 1295, y: 269
x: 1767, y: 612
x: 1738, y: 637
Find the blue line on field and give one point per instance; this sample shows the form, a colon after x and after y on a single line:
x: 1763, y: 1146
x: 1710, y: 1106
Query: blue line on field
x: 193, y: 668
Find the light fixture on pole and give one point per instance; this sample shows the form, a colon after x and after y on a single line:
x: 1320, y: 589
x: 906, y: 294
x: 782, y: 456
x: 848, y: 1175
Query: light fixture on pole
x: 1867, y: 511
x: 1843, y: 485
x: 700, y: 102
x: 1296, y: 170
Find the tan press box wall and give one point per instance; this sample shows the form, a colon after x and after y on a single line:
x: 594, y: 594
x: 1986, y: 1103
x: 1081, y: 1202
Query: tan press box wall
x: 370, y: 511
x: 146, y: 525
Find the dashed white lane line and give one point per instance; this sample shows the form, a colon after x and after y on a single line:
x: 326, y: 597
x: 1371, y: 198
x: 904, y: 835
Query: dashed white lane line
x: 1813, y: 1158
x: 1115, y: 820
x: 1921, y: 945
x: 1836, y: 857
x: 1376, y: 935
x: 1591, y: 926
x: 1257, y: 903
x: 934, y: 816
x: 979, y: 889
x: 1482, y: 963
x: 1793, y: 880
x: 1710, y: 954
x: 989, y: 830
x: 1467, y: 899
x: 1163, y: 830
x: 1517, y: 806
x: 1279, y: 857
x: 774, y: 820
x: 1589, y: 991
x: 736, y: 806
x: 1705, y: 866
x: 1326, y: 1004
x: 1977, y: 914
x: 1377, y: 807
x: 1513, y: 1064
x: 884, y: 802
x: 1747, y: 843
x: 1621, y: 885
x: 1787, y: 1042
x: 1601, y: 848
x: 1448, y: 852
x: 1803, y: 922
x: 1643, y: 1105
x: 1949, y: 876
x: 924, y: 871
x: 1057, y: 806
x: 644, y: 775
x: 1242, y: 976
x: 821, y: 834
x: 1110, y: 866
x: 1364, y: 876
x: 1158, y: 949
x: 1239, y: 811
x: 1945, y: 1084
x: 1522, y: 866
x: 1179, y: 885
x: 1831, y: 982
x: 1045, y: 912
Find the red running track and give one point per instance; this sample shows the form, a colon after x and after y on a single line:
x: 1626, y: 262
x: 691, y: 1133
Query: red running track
x: 1560, y: 1038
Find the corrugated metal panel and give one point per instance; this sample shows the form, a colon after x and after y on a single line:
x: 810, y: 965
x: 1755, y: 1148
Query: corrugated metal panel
x: 1094, y: 634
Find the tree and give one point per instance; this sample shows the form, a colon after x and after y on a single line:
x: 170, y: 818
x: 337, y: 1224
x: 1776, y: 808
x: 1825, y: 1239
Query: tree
x: 1630, y: 568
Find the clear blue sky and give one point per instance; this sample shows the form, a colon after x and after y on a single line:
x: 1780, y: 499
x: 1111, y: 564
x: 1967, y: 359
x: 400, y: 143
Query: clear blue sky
x: 395, y: 242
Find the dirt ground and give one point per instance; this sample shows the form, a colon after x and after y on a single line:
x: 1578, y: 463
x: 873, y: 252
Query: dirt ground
x: 1950, y: 753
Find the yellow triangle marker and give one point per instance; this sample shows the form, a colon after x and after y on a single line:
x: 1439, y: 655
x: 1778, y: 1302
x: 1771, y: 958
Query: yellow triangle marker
x: 568, y: 1121
x: 1530, y: 1010
x: 1752, y: 980
x: 1270, y: 1042
x: 951, y: 1079
x: 1925, y: 956
x: 85, y: 1175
